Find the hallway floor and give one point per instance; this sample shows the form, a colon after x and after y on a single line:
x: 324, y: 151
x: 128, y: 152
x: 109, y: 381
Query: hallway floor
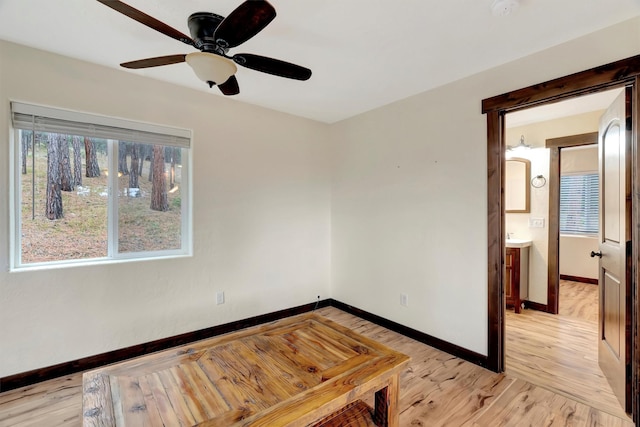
x: 560, y: 352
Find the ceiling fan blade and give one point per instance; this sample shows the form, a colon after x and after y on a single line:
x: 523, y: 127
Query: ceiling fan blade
x: 230, y: 87
x: 272, y: 66
x: 147, y: 20
x: 244, y: 22
x: 154, y: 62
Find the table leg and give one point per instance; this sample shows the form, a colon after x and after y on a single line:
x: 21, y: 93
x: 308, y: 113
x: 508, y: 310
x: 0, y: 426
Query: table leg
x: 385, y: 413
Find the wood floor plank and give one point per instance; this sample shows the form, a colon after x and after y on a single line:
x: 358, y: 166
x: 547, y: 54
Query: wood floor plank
x: 436, y: 389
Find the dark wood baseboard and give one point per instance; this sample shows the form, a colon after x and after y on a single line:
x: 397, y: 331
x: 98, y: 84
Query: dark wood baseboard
x: 427, y: 339
x: 579, y: 279
x: 38, y: 375
x: 537, y: 306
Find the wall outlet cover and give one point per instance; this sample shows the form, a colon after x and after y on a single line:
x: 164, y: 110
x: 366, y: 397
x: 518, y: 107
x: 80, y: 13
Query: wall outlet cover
x: 404, y: 300
x: 536, y: 222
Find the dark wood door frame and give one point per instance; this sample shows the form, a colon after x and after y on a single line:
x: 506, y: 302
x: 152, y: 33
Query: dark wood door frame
x: 625, y: 72
x: 553, y: 265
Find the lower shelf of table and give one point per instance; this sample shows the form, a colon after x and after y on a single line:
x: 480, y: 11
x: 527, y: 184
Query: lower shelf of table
x: 356, y: 414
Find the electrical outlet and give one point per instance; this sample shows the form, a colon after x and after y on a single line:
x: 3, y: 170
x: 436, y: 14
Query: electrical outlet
x: 536, y: 222
x: 220, y: 297
x: 404, y: 300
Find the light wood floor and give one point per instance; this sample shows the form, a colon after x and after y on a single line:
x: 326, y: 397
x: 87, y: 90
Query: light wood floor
x: 436, y: 389
x: 560, y: 352
x: 578, y: 300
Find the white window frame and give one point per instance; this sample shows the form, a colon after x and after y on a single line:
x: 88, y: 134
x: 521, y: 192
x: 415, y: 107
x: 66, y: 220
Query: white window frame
x: 101, y: 127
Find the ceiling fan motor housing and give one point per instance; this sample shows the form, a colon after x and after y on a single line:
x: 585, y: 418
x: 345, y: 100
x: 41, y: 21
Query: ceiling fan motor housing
x: 202, y: 26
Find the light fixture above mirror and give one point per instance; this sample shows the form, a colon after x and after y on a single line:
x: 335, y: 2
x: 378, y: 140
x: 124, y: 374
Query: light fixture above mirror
x: 520, y: 146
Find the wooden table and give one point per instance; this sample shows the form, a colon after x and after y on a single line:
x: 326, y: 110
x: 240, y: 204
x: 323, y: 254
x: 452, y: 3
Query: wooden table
x: 299, y: 371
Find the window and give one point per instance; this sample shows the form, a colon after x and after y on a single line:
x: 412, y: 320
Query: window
x: 93, y: 188
x: 579, y: 204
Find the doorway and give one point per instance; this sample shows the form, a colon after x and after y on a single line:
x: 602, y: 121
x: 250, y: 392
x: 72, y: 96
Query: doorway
x: 577, y: 118
x: 622, y: 73
x: 554, y: 345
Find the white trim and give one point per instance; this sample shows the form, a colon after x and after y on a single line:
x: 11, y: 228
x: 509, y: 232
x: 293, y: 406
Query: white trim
x: 112, y: 200
x: 14, y: 223
x: 51, y: 265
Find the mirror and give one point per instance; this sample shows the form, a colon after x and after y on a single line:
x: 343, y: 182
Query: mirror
x: 516, y: 186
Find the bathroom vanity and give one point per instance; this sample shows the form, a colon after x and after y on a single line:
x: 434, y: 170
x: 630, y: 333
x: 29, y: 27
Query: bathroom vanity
x: 516, y: 279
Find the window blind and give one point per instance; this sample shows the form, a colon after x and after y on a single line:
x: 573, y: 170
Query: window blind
x: 579, y: 204
x: 48, y: 119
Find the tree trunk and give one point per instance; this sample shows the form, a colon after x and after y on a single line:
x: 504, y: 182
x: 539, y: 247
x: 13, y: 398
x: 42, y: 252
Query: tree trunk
x: 151, y: 163
x: 145, y: 154
x: 133, y: 176
x: 25, y: 143
x: 172, y: 173
x: 159, y: 201
x: 53, y: 208
x: 93, y: 168
x: 66, y: 180
x: 77, y: 161
x: 123, y: 147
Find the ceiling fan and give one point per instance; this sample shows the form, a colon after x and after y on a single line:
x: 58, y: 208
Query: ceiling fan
x: 213, y: 35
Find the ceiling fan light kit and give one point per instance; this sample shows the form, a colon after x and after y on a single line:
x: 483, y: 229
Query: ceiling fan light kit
x: 213, y: 35
x: 504, y: 7
x: 211, y: 68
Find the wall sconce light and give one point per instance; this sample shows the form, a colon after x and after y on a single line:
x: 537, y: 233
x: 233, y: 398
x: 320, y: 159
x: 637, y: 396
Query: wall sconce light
x: 520, y: 146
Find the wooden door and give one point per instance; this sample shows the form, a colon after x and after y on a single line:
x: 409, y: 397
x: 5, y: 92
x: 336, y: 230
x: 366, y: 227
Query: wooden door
x: 615, y: 237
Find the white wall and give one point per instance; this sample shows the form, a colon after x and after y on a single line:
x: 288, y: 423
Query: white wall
x: 575, y: 259
x: 574, y: 250
x: 409, y: 208
x: 261, y: 220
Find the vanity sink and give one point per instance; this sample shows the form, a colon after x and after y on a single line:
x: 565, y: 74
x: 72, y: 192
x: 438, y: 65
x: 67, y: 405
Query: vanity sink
x: 518, y: 243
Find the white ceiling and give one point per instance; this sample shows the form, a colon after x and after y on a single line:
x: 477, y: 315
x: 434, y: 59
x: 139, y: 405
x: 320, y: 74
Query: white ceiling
x: 363, y: 53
